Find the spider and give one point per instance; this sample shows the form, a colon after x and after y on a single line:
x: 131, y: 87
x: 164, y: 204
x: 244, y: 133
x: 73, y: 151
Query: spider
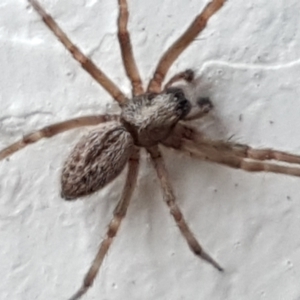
x: 149, y: 119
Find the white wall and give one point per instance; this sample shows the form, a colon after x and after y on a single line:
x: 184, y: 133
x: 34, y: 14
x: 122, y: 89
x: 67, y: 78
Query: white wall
x: 249, y: 62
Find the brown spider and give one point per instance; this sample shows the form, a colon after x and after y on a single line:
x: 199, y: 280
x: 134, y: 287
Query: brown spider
x: 149, y: 119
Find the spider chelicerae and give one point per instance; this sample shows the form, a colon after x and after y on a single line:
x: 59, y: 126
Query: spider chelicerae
x: 150, y: 118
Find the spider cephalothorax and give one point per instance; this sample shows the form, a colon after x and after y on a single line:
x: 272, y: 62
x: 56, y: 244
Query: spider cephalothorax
x: 151, y: 117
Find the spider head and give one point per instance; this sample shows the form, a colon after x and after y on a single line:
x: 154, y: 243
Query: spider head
x: 151, y: 117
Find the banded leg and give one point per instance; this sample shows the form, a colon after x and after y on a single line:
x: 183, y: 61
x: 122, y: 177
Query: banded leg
x: 229, y: 148
x: 245, y: 151
x: 86, y: 63
x: 169, y: 198
x: 126, y: 50
x: 181, y: 44
x: 212, y: 154
x: 54, y: 129
x: 113, y: 227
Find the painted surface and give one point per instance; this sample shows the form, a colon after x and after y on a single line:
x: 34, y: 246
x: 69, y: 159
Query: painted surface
x: 248, y: 63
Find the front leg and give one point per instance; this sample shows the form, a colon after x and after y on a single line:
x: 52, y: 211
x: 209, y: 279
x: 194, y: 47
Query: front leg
x: 54, y: 129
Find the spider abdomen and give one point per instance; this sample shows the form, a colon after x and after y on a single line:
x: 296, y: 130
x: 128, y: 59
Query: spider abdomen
x: 98, y: 158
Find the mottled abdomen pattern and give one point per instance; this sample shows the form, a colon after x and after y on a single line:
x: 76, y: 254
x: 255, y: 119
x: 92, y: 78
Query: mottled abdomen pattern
x: 98, y: 158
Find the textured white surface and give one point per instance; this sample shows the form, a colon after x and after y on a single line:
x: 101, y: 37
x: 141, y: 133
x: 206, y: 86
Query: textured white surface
x: 249, y: 62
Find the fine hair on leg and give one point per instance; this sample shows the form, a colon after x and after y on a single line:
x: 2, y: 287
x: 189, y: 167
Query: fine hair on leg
x: 181, y: 44
x: 86, y: 63
x: 114, y: 225
x: 200, y: 141
x: 211, y: 154
x: 245, y: 151
x: 169, y: 198
x: 126, y: 50
x: 54, y: 129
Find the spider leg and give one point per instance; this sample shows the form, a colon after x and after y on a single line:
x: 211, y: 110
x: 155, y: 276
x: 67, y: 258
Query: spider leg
x: 231, y: 159
x: 169, y: 198
x: 54, y: 129
x: 187, y: 75
x: 180, y: 132
x: 86, y: 63
x: 126, y: 50
x: 245, y: 151
x: 181, y: 44
x: 229, y: 148
x: 113, y: 227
